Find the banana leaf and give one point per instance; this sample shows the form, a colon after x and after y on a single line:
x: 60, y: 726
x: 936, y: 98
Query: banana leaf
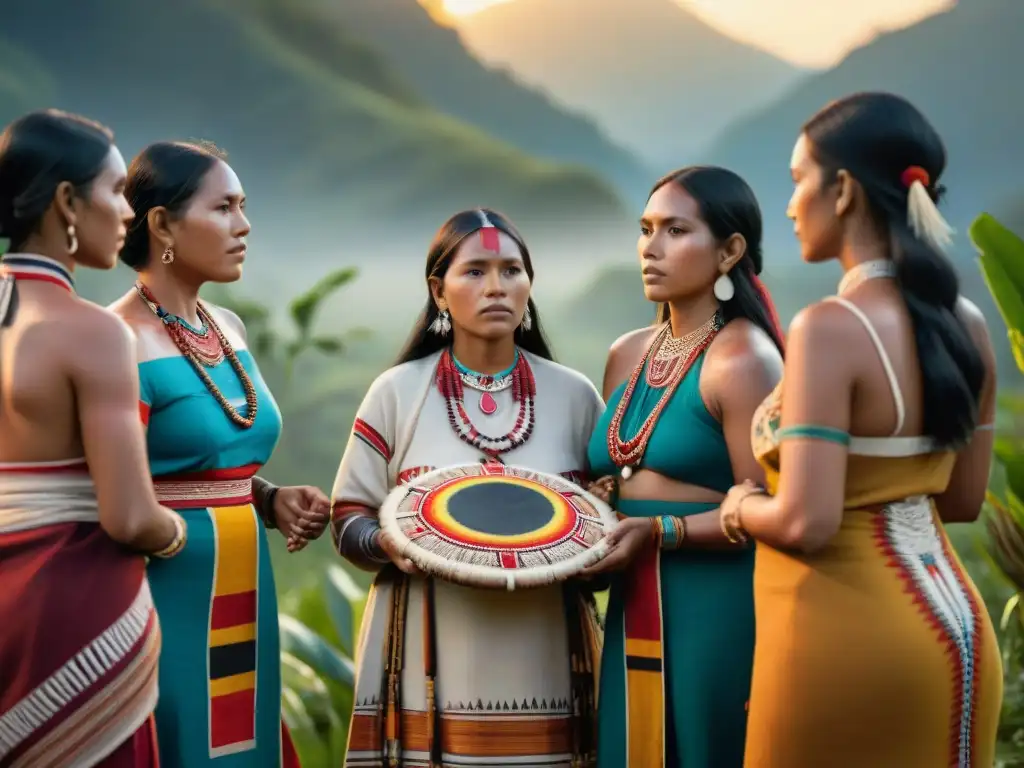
x: 345, y: 602
x: 1001, y: 256
x: 307, y: 646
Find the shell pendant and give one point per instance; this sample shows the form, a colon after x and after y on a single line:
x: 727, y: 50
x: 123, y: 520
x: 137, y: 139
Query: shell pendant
x: 627, y: 472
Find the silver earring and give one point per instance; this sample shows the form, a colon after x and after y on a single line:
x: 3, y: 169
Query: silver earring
x: 442, y: 325
x: 72, y: 240
x: 168, y: 255
x: 527, y: 323
x: 724, y: 289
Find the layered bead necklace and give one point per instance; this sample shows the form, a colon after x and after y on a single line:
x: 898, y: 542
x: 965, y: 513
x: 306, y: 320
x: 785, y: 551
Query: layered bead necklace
x: 667, y: 362
x: 453, y: 377
x: 205, y: 348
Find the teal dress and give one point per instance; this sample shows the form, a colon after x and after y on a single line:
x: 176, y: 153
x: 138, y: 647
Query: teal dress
x: 694, y: 672
x: 220, y: 669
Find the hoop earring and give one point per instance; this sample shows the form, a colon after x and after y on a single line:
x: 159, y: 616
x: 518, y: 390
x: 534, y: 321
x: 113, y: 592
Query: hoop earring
x: 724, y: 288
x: 168, y: 255
x: 527, y: 323
x: 72, y: 240
x: 442, y: 325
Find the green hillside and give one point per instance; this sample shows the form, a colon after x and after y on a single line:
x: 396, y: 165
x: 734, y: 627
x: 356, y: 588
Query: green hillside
x: 325, y: 135
x: 440, y: 67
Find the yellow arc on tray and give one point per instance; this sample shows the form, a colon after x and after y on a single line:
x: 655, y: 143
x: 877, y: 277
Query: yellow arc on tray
x: 435, y: 513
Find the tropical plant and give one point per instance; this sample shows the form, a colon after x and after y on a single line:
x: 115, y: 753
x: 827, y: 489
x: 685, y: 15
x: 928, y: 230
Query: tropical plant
x: 1002, y: 265
x: 268, y: 345
x: 319, y: 625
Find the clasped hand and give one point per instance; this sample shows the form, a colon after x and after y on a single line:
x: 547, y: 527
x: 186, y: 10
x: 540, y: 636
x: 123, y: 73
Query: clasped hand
x: 301, y: 512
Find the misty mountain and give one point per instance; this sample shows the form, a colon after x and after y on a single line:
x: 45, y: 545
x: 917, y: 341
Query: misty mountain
x: 331, y: 142
x: 961, y: 68
x: 435, y: 61
x: 660, y: 80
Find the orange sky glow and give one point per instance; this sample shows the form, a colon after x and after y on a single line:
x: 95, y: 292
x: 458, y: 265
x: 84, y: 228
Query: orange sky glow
x: 814, y: 33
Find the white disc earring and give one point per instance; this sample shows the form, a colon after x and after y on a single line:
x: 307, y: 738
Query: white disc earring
x: 724, y: 289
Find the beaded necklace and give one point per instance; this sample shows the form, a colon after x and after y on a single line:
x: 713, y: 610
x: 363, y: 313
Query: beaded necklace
x: 524, y: 392
x: 199, y: 352
x: 867, y: 270
x: 487, y: 384
x: 627, y: 454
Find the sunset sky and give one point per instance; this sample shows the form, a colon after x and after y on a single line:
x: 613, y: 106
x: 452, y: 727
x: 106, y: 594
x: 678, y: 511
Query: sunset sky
x: 809, y: 32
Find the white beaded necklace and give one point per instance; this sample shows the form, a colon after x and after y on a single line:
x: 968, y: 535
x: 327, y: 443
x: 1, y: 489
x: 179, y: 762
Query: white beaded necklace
x: 868, y: 270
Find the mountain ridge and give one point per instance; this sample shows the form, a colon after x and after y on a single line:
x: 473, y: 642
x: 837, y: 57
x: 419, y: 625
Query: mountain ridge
x: 960, y: 87
x: 434, y: 59
x: 326, y: 138
x: 687, y: 81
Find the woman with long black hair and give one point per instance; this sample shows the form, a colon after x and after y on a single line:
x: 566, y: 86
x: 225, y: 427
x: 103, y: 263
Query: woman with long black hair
x: 680, y: 627
x: 475, y: 380
x: 80, y: 640
x: 873, y: 646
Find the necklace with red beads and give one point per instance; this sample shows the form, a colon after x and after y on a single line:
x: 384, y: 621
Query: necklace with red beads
x: 487, y: 384
x: 205, y: 348
x: 674, y: 358
x: 524, y: 392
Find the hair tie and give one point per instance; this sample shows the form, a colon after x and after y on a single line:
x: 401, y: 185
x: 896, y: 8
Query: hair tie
x: 923, y: 215
x: 915, y: 173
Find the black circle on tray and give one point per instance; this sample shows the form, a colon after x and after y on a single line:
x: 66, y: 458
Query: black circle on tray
x: 500, y: 509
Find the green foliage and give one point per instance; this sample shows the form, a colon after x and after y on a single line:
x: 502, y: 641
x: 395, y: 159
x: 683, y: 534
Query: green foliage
x: 269, y: 348
x: 1002, y: 264
x: 318, y: 675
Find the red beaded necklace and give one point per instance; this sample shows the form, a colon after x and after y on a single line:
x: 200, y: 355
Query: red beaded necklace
x: 627, y: 454
x: 524, y: 392
x: 199, y: 352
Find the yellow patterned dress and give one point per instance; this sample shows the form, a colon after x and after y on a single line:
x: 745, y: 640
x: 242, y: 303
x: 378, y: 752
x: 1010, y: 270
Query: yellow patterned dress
x: 876, y: 651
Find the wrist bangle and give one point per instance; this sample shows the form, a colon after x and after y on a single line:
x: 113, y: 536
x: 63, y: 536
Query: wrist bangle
x: 732, y: 527
x: 671, y: 531
x: 656, y: 530
x: 177, y: 543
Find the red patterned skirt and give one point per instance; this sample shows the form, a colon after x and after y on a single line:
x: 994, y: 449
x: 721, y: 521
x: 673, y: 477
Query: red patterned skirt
x: 78, y: 651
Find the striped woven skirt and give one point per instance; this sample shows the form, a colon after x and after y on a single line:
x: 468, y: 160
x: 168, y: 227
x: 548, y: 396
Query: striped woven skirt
x: 80, y: 640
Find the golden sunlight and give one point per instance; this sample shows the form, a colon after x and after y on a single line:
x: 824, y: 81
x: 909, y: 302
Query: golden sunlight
x: 466, y: 7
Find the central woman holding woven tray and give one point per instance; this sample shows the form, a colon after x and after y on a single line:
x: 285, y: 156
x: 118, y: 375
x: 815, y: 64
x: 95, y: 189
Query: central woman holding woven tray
x: 454, y: 675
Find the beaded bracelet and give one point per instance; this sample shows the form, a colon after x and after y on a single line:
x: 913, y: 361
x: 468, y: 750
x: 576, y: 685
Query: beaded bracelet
x: 669, y: 531
x: 177, y: 543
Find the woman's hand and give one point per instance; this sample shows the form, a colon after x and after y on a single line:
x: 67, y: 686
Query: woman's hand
x: 603, y: 488
x: 624, y: 542
x: 391, y: 549
x: 301, y: 512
